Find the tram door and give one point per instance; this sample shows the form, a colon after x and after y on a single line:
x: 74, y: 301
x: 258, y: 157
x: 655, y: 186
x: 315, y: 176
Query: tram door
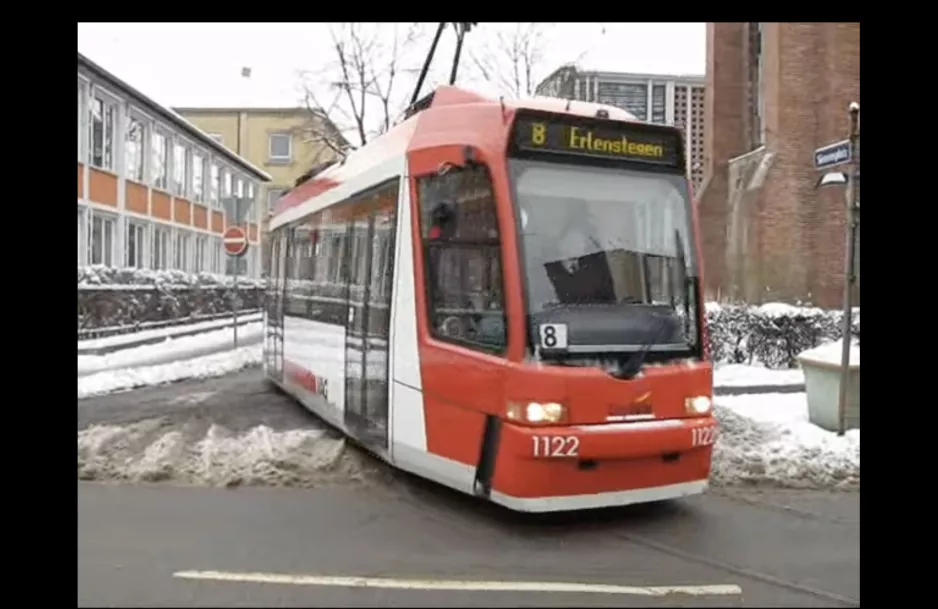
x: 273, y: 348
x: 371, y: 255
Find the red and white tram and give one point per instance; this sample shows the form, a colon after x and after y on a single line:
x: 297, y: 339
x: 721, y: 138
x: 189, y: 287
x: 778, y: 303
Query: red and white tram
x: 503, y: 297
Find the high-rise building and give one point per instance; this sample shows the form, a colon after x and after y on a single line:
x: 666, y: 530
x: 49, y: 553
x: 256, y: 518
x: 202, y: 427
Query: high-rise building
x: 656, y: 98
x: 775, y: 93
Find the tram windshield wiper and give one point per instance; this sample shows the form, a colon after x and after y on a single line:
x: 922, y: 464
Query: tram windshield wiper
x: 633, y: 365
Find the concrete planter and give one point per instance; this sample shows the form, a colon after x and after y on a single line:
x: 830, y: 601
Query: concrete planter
x: 821, y: 367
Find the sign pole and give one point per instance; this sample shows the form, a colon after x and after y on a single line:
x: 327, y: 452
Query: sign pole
x: 234, y: 291
x: 849, y: 274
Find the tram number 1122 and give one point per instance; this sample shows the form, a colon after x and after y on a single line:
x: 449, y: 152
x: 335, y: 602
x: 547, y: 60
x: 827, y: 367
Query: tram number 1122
x: 556, y: 446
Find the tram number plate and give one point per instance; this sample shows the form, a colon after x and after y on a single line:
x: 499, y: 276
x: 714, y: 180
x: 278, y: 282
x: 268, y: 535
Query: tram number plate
x: 703, y: 436
x: 556, y: 446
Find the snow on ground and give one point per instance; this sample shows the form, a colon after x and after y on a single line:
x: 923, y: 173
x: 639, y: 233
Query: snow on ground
x: 190, y: 453
x: 171, y: 349
x: 123, y: 339
x: 217, y: 364
x: 767, y: 439
x: 743, y: 375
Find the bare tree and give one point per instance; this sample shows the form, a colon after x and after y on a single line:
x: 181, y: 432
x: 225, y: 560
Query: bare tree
x: 512, y: 62
x: 356, y: 95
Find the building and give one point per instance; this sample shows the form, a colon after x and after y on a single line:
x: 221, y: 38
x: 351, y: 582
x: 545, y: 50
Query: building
x: 775, y: 93
x: 286, y: 142
x: 153, y: 188
x: 667, y: 100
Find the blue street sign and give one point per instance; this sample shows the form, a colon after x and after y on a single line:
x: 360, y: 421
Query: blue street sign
x: 832, y: 155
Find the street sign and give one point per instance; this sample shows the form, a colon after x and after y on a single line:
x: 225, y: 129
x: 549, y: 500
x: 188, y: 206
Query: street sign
x: 236, y: 242
x: 832, y: 155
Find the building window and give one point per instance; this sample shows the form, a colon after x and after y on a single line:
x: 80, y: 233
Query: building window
x: 226, y: 184
x: 181, y: 259
x: 631, y: 97
x: 217, y: 137
x: 658, y: 103
x: 133, y: 149
x: 273, y: 195
x: 160, y: 251
x: 217, y: 255
x: 249, y: 199
x: 136, y: 241
x: 81, y: 120
x: 102, y: 134
x: 159, y: 159
x: 102, y: 240
x: 213, y: 184
x: 280, y: 147
x: 180, y: 169
x: 462, y: 258
x: 756, y: 98
x: 81, y: 236
x: 201, y: 247
x: 198, y: 169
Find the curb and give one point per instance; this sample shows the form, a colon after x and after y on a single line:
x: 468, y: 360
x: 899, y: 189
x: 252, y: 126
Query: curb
x: 757, y: 389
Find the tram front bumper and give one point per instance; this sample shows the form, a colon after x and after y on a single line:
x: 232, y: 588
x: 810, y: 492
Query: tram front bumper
x: 586, y: 466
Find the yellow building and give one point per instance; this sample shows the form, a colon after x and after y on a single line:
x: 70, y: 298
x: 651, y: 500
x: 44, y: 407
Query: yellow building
x: 285, y: 142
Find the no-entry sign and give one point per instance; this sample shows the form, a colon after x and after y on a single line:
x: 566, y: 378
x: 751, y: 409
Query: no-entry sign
x: 236, y: 242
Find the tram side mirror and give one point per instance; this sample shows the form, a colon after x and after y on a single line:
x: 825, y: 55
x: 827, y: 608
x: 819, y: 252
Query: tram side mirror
x: 442, y: 220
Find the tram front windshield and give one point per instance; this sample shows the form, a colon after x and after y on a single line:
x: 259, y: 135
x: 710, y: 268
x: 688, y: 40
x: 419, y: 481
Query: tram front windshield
x: 608, y: 253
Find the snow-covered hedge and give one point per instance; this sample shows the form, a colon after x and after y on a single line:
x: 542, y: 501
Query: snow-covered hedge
x: 772, y: 334
x: 109, y: 297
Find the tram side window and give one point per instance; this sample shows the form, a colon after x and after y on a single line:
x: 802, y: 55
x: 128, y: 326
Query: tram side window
x: 461, y: 241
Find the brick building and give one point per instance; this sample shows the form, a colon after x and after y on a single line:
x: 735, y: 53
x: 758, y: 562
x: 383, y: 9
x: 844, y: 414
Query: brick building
x: 775, y: 93
x: 656, y: 98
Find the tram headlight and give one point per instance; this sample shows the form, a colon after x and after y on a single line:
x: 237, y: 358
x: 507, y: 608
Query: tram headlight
x: 537, y: 412
x: 698, y: 405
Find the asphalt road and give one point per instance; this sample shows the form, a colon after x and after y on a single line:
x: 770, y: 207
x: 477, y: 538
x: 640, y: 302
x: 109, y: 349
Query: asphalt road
x: 781, y: 548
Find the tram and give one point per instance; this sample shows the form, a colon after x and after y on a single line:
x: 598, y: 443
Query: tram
x: 503, y: 297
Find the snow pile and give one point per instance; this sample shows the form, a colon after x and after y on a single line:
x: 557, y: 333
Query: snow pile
x: 219, y: 364
x: 767, y: 439
x: 742, y: 375
x: 832, y: 353
x: 199, y: 453
x: 171, y: 349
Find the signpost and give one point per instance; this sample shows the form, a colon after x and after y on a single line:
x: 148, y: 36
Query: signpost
x: 832, y: 155
x: 236, y: 244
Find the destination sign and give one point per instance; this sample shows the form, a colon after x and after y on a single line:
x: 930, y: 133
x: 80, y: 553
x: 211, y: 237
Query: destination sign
x: 606, y: 139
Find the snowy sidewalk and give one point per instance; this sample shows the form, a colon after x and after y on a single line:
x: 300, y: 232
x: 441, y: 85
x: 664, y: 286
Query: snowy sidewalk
x: 109, y: 344
x: 172, y: 350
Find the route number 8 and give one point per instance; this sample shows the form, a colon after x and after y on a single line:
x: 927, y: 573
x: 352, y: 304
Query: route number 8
x: 553, y: 336
x: 538, y: 133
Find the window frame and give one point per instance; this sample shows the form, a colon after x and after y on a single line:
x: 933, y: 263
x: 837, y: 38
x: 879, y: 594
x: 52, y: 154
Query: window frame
x: 132, y: 223
x: 108, y: 101
x: 165, y: 161
x: 132, y: 114
x: 198, y: 196
x: 271, y: 157
x: 161, y: 263
x: 214, y: 178
x: 186, y: 170
x: 430, y: 287
x: 108, y: 254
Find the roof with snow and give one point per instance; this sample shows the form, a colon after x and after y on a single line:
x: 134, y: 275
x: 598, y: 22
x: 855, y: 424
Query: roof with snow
x: 170, y: 116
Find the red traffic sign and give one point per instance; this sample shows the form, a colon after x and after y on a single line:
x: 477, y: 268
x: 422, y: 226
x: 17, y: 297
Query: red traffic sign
x: 236, y: 242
